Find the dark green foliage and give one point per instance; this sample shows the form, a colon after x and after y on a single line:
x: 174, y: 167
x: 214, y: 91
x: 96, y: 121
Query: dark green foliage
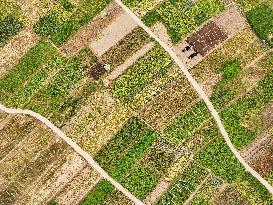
x: 9, y: 27
x: 151, y: 18
x: 184, y: 185
x: 98, y: 194
x: 68, y: 6
x: 231, y: 69
x: 218, y: 157
x: 42, y: 53
x: 261, y: 20
x: 140, y: 183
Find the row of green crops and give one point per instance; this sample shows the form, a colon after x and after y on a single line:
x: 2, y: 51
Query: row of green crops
x: 42, y: 53
x: 126, y: 86
x: 182, y: 17
x: 184, y: 185
x: 261, y: 20
x: 59, y: 29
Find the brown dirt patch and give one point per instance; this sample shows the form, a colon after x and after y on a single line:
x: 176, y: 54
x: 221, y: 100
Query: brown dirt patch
x: 264, y: 164
x: 267, y: 116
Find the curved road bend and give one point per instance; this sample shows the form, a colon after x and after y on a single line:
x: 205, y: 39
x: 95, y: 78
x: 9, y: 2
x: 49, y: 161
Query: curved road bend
x: 77, y: 148
x: 201, y: 93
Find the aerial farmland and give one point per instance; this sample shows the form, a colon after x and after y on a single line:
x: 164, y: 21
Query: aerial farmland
x: 147, y: 102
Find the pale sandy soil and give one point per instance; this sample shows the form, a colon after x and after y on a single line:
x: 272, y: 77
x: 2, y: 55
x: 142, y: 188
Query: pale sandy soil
x: 113, y: 33
x: 79, y: 187
x: 160, y: 188
x: 207, y: 85
x: 129, y: 61
x: 15, y: 49
x: 231, y: 20
x: 61, y: 177
x: 159, y: 29
x: 87, y: 33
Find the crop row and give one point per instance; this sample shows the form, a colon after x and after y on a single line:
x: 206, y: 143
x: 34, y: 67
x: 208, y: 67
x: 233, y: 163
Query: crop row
x: 59, y: 28
x: 126, y: 86
x: 182, y: 17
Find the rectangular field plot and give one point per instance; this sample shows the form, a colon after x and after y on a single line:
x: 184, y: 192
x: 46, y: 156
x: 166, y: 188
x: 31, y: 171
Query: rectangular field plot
x: 169, y: 104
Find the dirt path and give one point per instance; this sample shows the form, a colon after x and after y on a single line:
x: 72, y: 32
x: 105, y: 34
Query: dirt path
x: 15, y: 49
x: 202, y: 94
x: 76, y: 147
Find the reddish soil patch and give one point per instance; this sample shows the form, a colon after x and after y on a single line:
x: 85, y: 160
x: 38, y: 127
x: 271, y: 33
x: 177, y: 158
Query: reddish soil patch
x: 206, y: 38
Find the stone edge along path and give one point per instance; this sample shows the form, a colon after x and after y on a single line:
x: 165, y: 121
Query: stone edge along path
x: 76, y: 147
x: 201, y: 93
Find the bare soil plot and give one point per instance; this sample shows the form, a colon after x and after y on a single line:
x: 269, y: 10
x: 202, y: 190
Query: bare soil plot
x: 169, y: 104
x: 264, y: 163
x: 113, y: 33
x: 231, y: 20
x: 74, y: 164
x: 130, y: 61
x: 78, y: 188
x: 86, y: 34
x: 15, y: 49
x: 206, y: 38
x: 230, y: 196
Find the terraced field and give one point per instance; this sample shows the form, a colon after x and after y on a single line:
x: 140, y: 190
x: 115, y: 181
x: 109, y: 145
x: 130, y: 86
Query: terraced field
x: 100, y: 78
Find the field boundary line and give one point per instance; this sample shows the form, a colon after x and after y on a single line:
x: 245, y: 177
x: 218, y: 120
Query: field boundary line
x: 76, y: 147
x: 201, y: 93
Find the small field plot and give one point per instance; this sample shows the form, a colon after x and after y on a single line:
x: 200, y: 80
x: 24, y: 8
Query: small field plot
x: 182, y: 17
x: 40, y: 165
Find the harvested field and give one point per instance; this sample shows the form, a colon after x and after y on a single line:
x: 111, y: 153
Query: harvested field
x: 113, y: 33
x: 231, y: 20
x: 87, y: 33
x: 18, y: 46
x: 77, y: 189
x: 264, y: 163
x: 129, y: 62
x: 169, y: 104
